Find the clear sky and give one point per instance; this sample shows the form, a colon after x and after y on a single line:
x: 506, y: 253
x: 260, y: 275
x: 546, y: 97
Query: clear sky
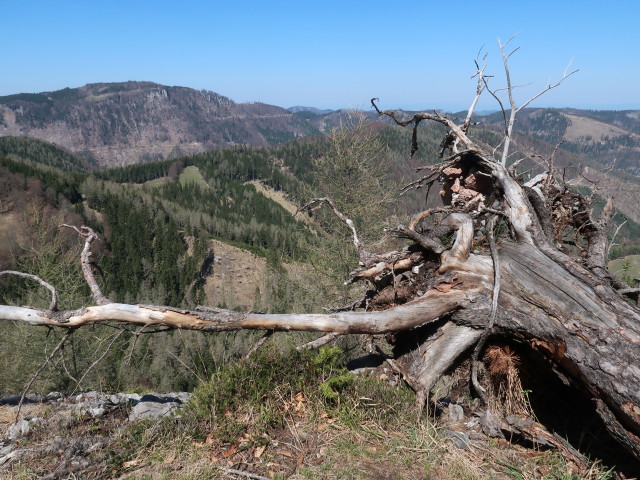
x: 332, y: 54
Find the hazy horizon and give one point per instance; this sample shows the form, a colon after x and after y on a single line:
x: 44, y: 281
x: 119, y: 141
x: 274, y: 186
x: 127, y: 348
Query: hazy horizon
x: 330, y: 54
x: 481, y: 111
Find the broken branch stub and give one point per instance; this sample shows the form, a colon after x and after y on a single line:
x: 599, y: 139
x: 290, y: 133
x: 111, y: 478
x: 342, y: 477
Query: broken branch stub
x: 85, y: 259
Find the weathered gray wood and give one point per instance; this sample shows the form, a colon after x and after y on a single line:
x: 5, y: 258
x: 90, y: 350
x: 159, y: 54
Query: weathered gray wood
x: 418, y: 312
x: 589, y: 334
x: 432, y: 358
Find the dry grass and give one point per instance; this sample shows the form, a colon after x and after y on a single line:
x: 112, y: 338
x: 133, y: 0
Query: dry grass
x: 29, y: 410
x: 369, y: 432
x: 235, y: 276
x: 507, y: 397
x: 581, y: 127
x: 273, y: 418
x: 277, y: 196
x: 628, y: 267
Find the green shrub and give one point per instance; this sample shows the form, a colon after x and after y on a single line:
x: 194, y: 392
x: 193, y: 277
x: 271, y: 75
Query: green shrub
x: 250, y: 394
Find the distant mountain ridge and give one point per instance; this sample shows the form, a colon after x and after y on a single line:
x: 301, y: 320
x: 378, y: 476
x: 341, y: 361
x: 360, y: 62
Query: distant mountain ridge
x: 317, y: 111
x: 115, y: 124
x: 118, y: 124
x: 607, y: 137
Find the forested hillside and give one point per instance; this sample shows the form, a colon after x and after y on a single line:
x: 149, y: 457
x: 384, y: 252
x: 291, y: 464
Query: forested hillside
x: 608, y: 138
x: 161, y: 226
x: 217, y: 229
x: 112, y: 124
x: 160, y: 222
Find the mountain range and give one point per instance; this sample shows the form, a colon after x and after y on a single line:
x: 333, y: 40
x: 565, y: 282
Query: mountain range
x: 610, y: 138
x: 119, y: 124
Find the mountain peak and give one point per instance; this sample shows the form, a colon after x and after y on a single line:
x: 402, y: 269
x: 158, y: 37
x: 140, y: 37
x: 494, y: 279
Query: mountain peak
x: 122, y: 123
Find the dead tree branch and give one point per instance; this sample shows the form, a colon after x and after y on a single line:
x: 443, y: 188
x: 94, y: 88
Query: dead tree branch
x: 514, y: 108
x: 364, y: 255
x: 85, y: 259
x: 54, y: 295
x: 318, y: 342
x: 491, y: 223
x: 259, y: 343
x: 457, y: 131
x: 98, y: 360
x: 613, y: 238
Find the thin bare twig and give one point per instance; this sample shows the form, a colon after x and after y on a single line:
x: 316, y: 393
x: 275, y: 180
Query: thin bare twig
x: 42, y: 367
x: 240, y: 473
x: 629, y: 290
x: 428, y: 243
x: 259, y: 343
x: 514, y: 108
x: 547, y: 88
x: 612, y: 244
x: 136, y: 335
x: 456, y: 130
x: 422, y: 181
x: 107, y: 350
x: 66, y: 370
x: 481, y: 86
x: 54, y: 295
x: 363, y: 254
x: 318, y: 342
x: 187, y: 367
x: 551, y: 166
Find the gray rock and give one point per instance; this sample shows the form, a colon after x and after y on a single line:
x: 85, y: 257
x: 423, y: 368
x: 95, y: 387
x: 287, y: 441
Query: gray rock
x: 490, y: 424
x: 52, y: 396
x: 455, y: 413
x: 36, y: 397
x: 149, y: 410
x: 474, y: 422
x: 92, y: 396
x: 124, y: 398
x: 460, y: 439
x: 184, y: 397
x: 477, y: 437
x: 96, y: 412
x: 7, y: 449
x: 22, y: 428
x: 18, y: 429
x: 519, y: 422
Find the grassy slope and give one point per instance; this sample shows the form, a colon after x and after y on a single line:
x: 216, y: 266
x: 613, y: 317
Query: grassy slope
x: 628, y: 267
x: 296, y: 416
x: 191, y: 174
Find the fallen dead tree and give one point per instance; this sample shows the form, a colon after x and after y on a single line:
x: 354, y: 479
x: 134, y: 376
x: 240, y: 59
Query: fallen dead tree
x: 443, y: 302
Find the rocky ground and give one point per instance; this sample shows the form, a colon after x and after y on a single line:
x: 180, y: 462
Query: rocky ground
x: 54, y: 436
x: 371, y: 432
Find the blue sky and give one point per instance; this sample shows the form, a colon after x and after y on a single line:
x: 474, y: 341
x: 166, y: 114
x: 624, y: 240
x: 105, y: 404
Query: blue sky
x: 329, y: 54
